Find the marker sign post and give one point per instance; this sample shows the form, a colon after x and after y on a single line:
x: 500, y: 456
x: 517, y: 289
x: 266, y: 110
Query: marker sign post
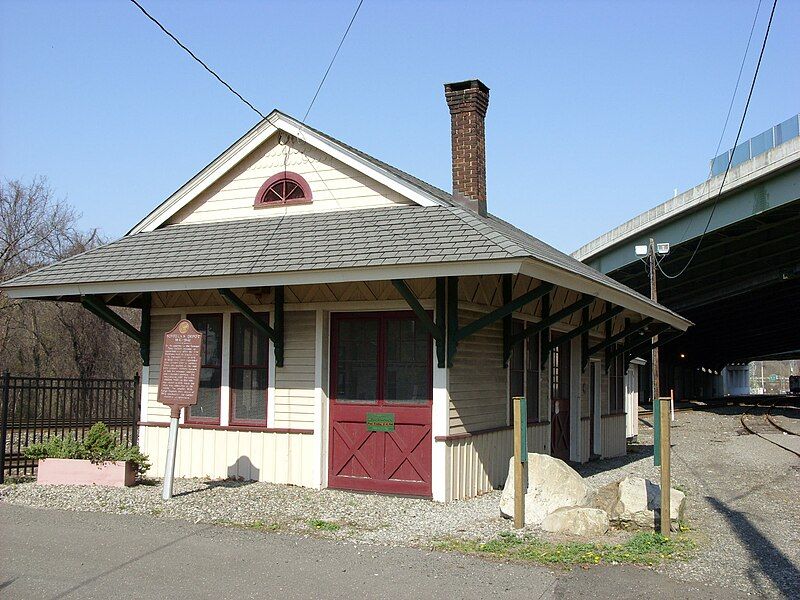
x: 178, y: 383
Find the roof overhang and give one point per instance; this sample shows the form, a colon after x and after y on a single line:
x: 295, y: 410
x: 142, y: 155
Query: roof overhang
x: 260, y: 133
x: 532, y: 268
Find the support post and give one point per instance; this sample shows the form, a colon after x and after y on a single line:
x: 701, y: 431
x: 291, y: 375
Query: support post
x: 144, y: 329
x: 172, y: 447
x: 507, y: 292
x: 666, y: 483
x: 4, y: 424
x: 452, y: 319
x: 441, y: 321
x: 656, y: 432
x: 520, y: 458
x: 278, y: 340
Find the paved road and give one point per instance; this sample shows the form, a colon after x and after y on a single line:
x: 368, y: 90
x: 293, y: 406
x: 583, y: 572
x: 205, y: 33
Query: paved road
x: 58, y: 554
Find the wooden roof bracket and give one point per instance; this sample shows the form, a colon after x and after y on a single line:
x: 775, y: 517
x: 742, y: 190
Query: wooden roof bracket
x: 582, y: 303
x: 631, y: 346
x: 435, y: 328
x: 588, y: 325
x: 455, y: 333
x: 96, y: 306
x: 276, y: 333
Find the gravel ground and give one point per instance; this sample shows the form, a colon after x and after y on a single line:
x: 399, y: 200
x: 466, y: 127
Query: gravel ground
x: 741, y: 494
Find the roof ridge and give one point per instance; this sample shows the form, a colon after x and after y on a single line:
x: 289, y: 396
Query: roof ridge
x: 486, y: 230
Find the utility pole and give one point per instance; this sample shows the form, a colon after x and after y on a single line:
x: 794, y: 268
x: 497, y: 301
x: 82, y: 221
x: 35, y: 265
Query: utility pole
x: 651, y: 250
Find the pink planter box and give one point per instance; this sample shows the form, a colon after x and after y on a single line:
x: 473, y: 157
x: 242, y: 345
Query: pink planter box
x: 68, y: 471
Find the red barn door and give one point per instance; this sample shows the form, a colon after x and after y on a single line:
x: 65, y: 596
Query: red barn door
x: 381, y: 389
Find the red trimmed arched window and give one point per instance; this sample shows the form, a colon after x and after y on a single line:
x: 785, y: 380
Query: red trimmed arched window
x: 283, y: 188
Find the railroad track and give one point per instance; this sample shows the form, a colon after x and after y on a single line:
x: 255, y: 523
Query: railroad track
x: 765, y: 426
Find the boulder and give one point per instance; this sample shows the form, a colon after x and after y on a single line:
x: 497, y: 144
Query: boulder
x: 552, y: 484
x: 637, y: 500
x: 577, y: 520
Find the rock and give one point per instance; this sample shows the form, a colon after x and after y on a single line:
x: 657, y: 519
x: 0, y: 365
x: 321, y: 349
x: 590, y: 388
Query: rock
x: 577, y: 520
x: 552, y: 484
x: 638, y: 499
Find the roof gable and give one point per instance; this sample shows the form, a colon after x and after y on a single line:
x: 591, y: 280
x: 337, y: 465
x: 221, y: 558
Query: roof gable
x: 399, y: 182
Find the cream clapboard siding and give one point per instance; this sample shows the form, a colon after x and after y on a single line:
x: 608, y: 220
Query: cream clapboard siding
x: 218, y: 454
x: 294, y: 382
x: 479, y: 463
x: 334, y: 186
x: 613, y: 431
x: 159, y: 325
x: 478, y: 381
x: 585, y: 450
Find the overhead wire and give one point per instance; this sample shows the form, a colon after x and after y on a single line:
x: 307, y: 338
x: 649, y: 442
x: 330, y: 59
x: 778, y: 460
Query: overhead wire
x: 730, y: 157
x: 242, y: 98
x: 730, y: 107
x: 195, y: 57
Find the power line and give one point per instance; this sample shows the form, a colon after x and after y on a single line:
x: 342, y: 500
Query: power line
x: 335, y: 54
x: 730, y: 158
x: 194, y: 56
x: 730, y: 109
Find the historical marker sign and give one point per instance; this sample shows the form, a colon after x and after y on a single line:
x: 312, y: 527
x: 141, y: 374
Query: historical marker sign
x: 179, y: 379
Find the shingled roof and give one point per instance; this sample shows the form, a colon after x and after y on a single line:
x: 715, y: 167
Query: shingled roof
x: 376, y: 237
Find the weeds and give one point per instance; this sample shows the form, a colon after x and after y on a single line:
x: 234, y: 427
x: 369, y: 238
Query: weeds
x: 641, y: 549
x: 322, y: 525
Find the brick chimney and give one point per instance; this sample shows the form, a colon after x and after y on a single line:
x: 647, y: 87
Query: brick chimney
x: 468, y: 101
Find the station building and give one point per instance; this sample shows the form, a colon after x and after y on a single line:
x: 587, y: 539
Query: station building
x: 363, y: 329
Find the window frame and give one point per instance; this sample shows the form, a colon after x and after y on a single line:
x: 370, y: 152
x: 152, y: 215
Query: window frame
x: 231, y: 379
x: 260, y: 202
x: 560, y: 375
x: 616, y: 387
x: 517, y: 326
x: 382, y: 317
x: 188, y: 417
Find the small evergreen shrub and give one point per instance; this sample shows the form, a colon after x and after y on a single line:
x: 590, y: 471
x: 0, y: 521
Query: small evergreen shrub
x: 98, y: 446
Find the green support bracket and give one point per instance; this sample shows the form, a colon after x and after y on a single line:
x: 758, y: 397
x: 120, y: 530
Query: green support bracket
x: 626, y: 331
x: 559, y: 316
x: 663, y: 338
x: 507, y: 297
x: 100, y: 309
x: 435, y: 329
x: 275, y: 334
x: 452, y: 319
x: 630, y: 347
x: 504, y: 310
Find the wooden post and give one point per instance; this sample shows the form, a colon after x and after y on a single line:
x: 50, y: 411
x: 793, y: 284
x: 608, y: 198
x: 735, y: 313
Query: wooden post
x: 666, y: 483
x: 520, y: 457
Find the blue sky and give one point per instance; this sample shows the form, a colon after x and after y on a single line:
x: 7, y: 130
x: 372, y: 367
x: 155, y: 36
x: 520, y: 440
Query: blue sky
x: 598, y: 109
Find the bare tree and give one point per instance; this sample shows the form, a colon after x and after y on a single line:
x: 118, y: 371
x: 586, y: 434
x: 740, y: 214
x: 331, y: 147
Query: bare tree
x: 52, y: 338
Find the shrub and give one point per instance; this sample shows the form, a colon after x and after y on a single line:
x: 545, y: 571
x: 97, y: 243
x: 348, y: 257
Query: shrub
x: 99, y: 445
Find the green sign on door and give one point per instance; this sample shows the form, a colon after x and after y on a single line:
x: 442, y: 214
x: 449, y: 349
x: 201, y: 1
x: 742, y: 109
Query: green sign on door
x: 380, y: 421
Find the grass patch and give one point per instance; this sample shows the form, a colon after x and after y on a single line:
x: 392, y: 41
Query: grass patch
x: 641, y: 549
x: 257, y: 525
x: 322, y: 525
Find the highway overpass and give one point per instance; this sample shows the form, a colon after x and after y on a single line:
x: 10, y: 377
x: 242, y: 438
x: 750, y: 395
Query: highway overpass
x: 742, y: 289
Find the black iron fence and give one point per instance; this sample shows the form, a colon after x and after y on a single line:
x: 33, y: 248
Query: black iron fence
x: 36, y: 408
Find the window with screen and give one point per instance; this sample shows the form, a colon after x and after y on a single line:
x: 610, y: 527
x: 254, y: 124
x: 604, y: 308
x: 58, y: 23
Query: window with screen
x: 616, y: 386
x: 381, y: 358
x: 249, y: 372
x: 532, y: 368
x: 559, y: 371
x: 516, y: 366
x: 208, y: 395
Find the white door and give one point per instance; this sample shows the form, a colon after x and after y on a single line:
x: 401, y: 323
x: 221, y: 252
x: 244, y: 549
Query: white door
x: 632, y: 402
